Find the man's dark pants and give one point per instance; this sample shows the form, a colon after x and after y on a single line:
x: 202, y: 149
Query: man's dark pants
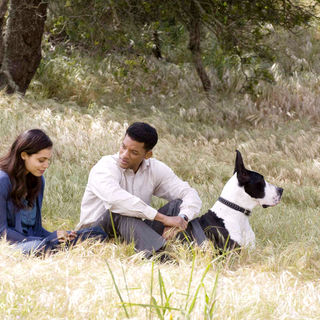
x: 147, y: 234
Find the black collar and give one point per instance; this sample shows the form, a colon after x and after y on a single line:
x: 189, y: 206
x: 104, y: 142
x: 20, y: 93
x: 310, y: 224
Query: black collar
x: 234, y: 206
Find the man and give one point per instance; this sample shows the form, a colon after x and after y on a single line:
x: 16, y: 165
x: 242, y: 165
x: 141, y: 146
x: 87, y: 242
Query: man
x: 119, y: 192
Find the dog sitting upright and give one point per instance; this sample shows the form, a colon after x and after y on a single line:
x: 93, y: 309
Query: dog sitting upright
x: 227, y: 222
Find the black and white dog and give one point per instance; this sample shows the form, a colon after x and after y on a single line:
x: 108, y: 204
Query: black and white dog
x: 227, y: 222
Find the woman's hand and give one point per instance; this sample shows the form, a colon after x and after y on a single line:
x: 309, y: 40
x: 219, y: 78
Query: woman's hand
x: 64, y: 236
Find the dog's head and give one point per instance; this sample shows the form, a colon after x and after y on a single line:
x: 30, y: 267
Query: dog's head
x: 255, y: 186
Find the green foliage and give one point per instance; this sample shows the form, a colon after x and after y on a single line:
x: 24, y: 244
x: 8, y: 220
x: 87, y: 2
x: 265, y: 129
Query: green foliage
x: 141, y: 84
x: 236, y: 34
x: 105, y: 26
x: 87, y: 24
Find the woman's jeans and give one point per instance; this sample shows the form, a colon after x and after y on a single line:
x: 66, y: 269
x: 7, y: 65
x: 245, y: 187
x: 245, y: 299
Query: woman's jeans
x: 44, y: 245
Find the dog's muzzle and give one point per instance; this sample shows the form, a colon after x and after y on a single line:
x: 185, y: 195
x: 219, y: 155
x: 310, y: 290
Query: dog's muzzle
x: 279, y: 192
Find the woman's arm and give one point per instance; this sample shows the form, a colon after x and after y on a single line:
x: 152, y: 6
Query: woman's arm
x: 9, y: 233
x: 5, y: 231
x: 41, y: 231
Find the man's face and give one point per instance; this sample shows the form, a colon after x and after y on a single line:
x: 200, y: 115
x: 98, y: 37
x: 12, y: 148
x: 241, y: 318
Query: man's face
x: 132, y: 153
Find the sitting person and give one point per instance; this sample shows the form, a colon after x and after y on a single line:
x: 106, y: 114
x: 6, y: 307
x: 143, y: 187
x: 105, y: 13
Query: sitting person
x: 21, y: 194
x: 119, y: 190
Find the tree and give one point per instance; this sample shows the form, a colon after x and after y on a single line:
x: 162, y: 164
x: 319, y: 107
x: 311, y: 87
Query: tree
x: 21, y: 46
x: 194, y: 27
x: 238, y: 26
x: 3, y: 10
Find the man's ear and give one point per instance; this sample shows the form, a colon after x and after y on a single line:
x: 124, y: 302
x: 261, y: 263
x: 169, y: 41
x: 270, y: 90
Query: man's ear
x: 24, y: 155
x: 148, y: 154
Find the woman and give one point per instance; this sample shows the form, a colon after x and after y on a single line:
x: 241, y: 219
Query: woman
x: 21, y: 194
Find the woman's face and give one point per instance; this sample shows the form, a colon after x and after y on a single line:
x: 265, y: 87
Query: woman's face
x: 37, y: 163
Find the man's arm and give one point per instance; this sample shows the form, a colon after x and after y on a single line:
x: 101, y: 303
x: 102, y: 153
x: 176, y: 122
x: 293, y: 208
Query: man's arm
x: 171, y: 187
x: 104, y: 183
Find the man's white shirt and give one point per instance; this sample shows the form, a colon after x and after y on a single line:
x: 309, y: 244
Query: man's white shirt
x: 122, y: 191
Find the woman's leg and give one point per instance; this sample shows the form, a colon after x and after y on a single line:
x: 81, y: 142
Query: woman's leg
x: 44, y: 246
x: 95, y: 233
x: 29, y: 247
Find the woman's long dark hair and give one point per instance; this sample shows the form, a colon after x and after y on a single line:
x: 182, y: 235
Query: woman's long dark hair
x: 24, y: 186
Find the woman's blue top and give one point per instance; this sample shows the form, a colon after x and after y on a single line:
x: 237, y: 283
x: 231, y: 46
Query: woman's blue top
x: 11, y: 218
x: 28, y: 218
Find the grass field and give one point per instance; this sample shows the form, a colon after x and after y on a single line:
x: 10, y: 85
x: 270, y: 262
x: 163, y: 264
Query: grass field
x: 85, y: 108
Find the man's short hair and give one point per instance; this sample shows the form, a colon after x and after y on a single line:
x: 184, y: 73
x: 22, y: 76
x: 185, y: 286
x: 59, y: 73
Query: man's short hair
x: 143, y: 132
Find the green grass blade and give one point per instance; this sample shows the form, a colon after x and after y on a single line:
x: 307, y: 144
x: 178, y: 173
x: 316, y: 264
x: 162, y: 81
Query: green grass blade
x: 125, y: 281
x: 192, y: 305
x: 113, y: 227
x: 190, y: 279
x: 163, y: 292
x: 213, y: 296
x: 156, y: 307
x: 161, y: 287
x: 151, y: 288
x: 118, y: 291
x: 145, y: 305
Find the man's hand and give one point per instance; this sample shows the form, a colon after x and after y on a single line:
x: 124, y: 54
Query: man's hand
x: 64, y: 236
x: 177, y: 221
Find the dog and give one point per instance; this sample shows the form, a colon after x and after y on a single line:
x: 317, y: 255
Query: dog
x: 226, y: 224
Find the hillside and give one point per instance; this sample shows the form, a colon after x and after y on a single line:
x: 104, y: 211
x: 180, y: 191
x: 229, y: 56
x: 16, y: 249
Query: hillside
x: 85, y: 104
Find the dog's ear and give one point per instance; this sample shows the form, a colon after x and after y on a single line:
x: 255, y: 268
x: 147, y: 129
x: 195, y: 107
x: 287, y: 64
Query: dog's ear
x: 242, y: 172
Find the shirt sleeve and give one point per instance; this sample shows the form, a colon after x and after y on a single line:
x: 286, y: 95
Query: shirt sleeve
x: 104, y: 182
x: 5, y: 231
x: 171, y: 187
x: 42, y: 232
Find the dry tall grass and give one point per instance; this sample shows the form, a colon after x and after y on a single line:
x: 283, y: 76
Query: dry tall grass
x: 278, y: 136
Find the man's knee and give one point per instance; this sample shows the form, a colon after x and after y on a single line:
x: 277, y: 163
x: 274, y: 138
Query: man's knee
x: 172, y: 208
x: 126, y: 224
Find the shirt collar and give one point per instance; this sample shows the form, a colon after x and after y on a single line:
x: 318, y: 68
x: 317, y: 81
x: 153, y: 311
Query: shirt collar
x: 144, y: 165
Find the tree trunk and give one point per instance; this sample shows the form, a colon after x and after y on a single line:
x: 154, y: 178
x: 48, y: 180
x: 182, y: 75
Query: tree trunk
x: 22, y: 43
x: 156, y: 45
x: 194, y: 45
x: 3, y: 11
